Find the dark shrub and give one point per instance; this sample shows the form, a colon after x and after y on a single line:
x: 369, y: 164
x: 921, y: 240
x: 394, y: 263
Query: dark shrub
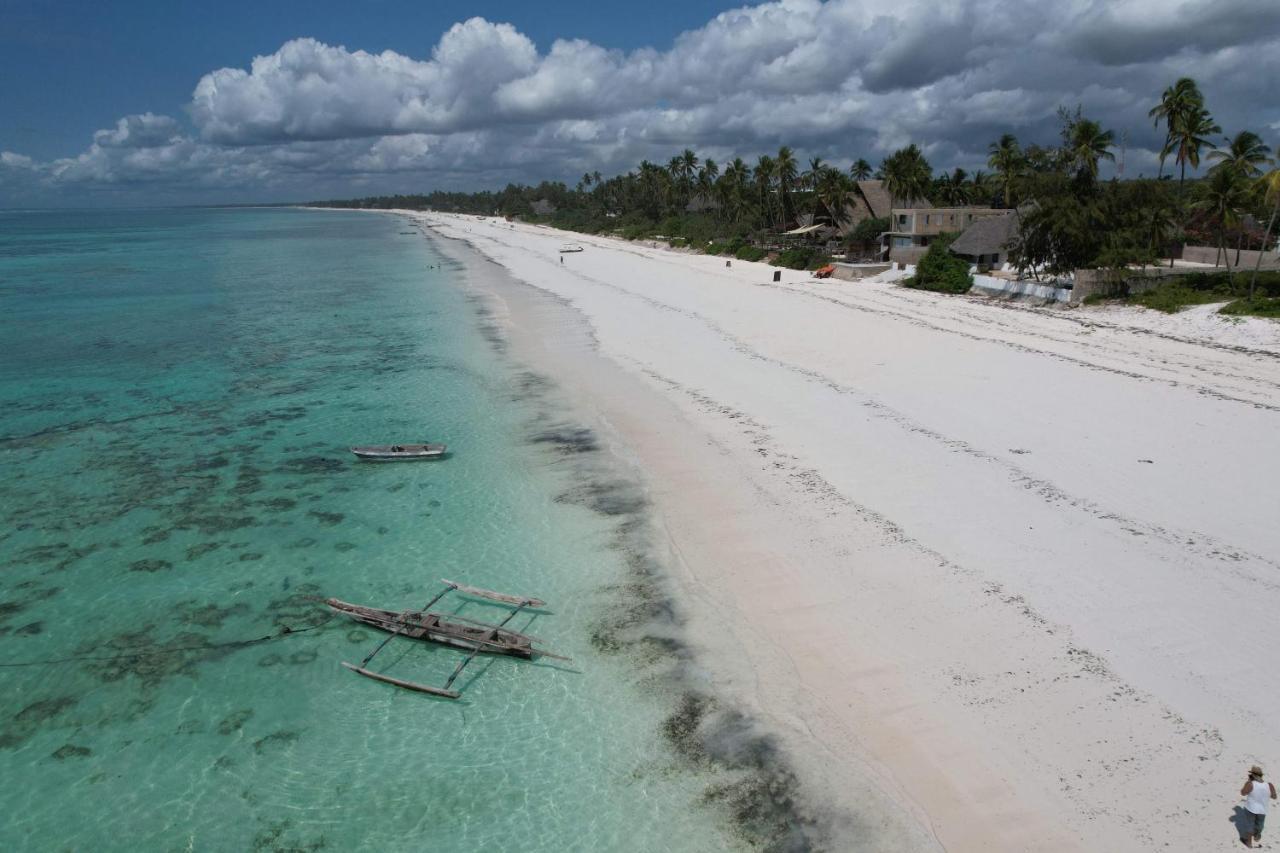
x: 941, y: 271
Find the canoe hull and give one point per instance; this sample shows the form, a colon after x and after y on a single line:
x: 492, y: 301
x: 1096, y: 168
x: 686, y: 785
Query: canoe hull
x: 398, y: 452
x: 437, y: 629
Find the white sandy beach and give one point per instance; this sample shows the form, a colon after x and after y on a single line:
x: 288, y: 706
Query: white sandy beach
x: 999, y: 578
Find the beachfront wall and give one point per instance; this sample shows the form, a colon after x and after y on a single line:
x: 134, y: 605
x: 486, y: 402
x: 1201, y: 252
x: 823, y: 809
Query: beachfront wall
x: 1211, y: 255
x: 855, y: 272
x: 1121, y: 282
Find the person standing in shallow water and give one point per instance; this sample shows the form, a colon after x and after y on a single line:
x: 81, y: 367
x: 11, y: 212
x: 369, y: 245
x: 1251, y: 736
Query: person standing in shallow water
x: 1256, y: 794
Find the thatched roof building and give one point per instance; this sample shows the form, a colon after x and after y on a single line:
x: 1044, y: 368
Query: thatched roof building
x: 987, y: 240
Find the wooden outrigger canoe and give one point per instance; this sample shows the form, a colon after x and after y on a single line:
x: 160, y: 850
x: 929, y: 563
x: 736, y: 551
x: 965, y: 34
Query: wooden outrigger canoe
x: 455, y: 631
x: 438, y: 629
x: 398, y: 452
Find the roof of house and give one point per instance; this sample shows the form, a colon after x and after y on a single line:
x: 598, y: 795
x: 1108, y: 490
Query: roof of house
x: 877, y: 197
x: 986, y: 236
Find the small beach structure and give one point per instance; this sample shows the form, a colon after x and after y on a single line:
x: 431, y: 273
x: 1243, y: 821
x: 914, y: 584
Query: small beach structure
x: 397, y: 452
x: 449, y: 630
x: 570, y: 247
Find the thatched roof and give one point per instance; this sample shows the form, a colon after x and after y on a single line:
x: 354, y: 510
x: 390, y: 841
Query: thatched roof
x: 989, y: 235
x: 877, y: 197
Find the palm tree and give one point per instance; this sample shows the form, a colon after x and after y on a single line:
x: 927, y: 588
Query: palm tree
x: 1226, y: 193
x: 706, y: 180
x: 762, y: 176
x: 731, y: 188
x: 907, y: 174
x: 1008, y: 162
x: 1176, y: 103
x: 952, y: 189
x: 1160, y: 221
x: 1088, y: 144
x: 809, y: 180
x: 1270, y: 186
x: 1245, y: 154
x: 1189, y: 135
x: 786, y: 170
x: 860, y: 170
x: 832, y: 191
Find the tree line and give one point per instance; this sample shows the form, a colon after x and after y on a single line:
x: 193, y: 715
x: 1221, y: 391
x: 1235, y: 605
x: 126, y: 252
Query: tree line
x: 1067, y: 217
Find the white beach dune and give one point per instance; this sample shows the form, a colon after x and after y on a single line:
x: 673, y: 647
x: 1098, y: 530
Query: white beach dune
x: 1004, y: 575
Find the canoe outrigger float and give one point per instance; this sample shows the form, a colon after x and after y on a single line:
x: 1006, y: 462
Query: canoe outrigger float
x: 398, y: 452
x: 449, y: 630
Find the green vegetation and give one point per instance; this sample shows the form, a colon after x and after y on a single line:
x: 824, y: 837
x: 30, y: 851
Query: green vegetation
x: 801, y: 258
x: 1182, y: 291
x: 1259, y: 306
x: 941, y: 271
x: 1066, y: 218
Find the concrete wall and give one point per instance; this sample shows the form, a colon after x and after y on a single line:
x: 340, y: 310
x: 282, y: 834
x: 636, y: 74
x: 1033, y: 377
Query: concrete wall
x: 1021, y: 291
x: 853, y: 272
x: 907, y: 254
x: 1209, y: 255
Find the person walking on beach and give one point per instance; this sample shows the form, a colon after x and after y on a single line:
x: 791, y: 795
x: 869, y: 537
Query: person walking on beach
x: 1256, y: 793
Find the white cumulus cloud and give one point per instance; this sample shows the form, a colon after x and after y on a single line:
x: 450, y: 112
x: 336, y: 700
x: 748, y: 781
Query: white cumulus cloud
x: 842, y: 79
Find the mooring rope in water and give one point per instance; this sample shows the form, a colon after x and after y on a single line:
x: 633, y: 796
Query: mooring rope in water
x: 285, y: 631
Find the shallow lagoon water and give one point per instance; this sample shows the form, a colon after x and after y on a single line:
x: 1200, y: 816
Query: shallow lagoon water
x: 177, y: 392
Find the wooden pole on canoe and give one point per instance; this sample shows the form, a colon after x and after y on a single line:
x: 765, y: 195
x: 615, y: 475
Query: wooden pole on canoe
x: 402, y: 628
x: 487, y: 637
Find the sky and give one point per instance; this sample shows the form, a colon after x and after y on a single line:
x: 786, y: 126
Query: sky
x: 179, y: 102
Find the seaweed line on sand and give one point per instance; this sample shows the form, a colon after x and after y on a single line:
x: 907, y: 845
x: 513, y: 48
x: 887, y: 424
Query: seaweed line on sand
x: 752, y: 785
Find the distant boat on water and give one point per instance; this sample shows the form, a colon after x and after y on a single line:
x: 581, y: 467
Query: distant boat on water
x: 398, y: 452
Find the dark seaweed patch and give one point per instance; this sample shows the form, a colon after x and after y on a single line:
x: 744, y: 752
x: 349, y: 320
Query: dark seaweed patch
x: 344, y: 546
x: 233, y: 722
x: 568, y: 439
x: 270, y: 660
x: 210, y: 463
x: 250, y: 557
x: 313, y: 465
x: 213, y: 524
x: 278, y: 504
x: 328, y: 519
x: 69, y: 750
x: 273, y: 839
x: 44, y: 709
x: 607, y: 497
x: 150, y: 566
x: 195, y: 552
x: 30, y: 629
x: 30, y: 719
x: 305, y: 542
x: 209, y: 615
x: 282, y: 737
x: 762, y: 799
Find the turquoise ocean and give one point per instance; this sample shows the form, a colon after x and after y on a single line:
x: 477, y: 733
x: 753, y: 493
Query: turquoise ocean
x: 178, y: 390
